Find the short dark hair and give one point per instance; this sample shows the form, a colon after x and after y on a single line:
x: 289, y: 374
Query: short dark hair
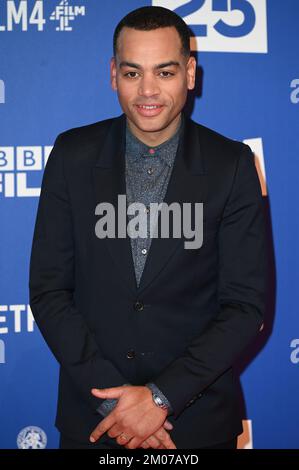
x: 151, y: 17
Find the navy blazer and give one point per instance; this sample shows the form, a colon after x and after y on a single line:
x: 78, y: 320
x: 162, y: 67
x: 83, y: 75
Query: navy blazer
x: 194, y: 311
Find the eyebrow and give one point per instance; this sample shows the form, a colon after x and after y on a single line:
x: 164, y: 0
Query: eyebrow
x: 157, y: 66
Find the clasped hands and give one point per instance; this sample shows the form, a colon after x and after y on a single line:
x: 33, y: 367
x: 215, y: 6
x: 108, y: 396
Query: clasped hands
x: 135, y: 421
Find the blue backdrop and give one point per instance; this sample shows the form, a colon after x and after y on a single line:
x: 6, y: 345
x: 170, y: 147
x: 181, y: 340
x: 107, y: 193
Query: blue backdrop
x: 54, y: 75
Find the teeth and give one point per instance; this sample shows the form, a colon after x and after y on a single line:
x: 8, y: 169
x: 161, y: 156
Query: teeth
x: 149, y: 107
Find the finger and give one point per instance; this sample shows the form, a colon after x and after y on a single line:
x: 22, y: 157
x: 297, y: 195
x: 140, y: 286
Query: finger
x: 114, y: 431
x: 153, y: 442
x: 145, y: 445
x: 123, y: 442
x: 167, y: 425
x: 134, y: 443
x: 114, y: 392
x: 164, y: 438
x: 102, y: 427
x: 171, y: 445
x: 168, y: 443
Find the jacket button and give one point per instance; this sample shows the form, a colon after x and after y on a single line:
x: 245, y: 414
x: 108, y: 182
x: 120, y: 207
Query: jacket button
x: 131, y: 354
x: 138, y: 306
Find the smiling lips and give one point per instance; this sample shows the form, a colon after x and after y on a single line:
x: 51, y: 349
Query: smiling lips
x: 149, y: 110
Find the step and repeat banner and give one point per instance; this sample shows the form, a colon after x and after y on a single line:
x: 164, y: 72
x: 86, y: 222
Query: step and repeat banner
x: 54, y: 75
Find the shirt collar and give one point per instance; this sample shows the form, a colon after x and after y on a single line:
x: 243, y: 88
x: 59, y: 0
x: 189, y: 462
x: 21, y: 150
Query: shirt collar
x: 136, y: 149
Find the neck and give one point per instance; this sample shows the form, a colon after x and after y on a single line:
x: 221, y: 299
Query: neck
x: 152, y: 139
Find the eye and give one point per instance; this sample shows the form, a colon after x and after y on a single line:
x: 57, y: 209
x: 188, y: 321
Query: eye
x: 166, y: 76
x: 128, y: 74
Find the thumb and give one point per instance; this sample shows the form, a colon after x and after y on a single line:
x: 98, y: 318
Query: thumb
x: 167, y: 425
x: 113, y: 392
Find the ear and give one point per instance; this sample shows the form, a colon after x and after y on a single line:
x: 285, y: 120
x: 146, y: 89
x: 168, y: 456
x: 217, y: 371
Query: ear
x: 113, y: 73
x: 191, y: 72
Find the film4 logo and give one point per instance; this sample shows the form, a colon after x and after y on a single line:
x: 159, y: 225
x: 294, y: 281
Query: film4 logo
x: 20, y: 15
x: 223, y: 25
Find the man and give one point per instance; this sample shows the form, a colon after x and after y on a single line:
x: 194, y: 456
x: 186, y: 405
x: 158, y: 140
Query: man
x: 145, y: 330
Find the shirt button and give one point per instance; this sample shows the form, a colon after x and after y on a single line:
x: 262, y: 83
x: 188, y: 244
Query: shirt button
x: 150, y: 171
x: 131, y: 354
x: 146, y: 210
x: 144, y: 251
x: 138, y: 306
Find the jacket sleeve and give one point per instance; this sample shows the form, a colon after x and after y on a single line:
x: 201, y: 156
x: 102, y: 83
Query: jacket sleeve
x: 51, y: 288
x: 241, y: 293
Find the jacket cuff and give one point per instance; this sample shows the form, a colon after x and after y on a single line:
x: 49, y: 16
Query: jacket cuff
x: 107, y: 405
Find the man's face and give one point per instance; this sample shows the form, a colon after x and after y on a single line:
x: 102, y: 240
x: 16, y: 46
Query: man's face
x: 140, y: 79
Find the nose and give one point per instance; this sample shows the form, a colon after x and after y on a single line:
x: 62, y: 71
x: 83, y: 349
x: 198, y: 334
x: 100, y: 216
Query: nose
x: 148, y: 86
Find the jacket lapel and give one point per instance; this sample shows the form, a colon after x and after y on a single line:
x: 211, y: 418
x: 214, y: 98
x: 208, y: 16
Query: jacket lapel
x: 187, y: 184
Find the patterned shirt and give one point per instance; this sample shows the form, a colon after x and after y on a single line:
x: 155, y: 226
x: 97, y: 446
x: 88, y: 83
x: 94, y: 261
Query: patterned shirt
x: 148, y: 169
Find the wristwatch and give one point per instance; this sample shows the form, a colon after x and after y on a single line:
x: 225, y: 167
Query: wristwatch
x: 159, y: 402
x: 158, y: 398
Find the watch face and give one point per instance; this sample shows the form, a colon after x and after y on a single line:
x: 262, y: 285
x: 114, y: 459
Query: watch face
x: 158, y: 401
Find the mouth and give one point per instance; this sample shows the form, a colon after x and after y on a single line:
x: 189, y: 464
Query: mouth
x: 149, y: 110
